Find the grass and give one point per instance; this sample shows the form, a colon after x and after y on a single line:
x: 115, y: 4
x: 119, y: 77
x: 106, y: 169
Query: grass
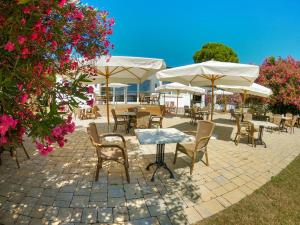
x: 277, y: 202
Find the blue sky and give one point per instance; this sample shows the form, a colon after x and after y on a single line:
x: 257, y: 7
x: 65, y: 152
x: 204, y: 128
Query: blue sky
x: 175, y: 29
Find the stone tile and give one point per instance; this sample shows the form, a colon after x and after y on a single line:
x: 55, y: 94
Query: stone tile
x: 230, y: 186
x: 38, y: 212
x: 47, y: 201
x: 209, y: 208
x: 65, y: 214
x: 105, y: 215
x: 223, y: 201
x: 62, y: 204
x: 164, y: 220
x: 178, y: 218
x: 136, y: 213
x: 98, y: 197
x: 115, y: 202
x: 80, y: 201
x: 51, y: 213
x: 219, y: 191
x: 238, y: 181
x: 192, y: 215
x: 147, y: 221
x: 121, y: 214
x: 64, y: 196
x: 76, y: 215
x: 89, y: 215
x: 234, y: 196
x: 156, y: 210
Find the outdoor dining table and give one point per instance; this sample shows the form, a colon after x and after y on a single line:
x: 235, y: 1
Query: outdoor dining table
x: 128, y: 115
x: 282, y: 122
x: 160, y: 137
x: 262, y: 125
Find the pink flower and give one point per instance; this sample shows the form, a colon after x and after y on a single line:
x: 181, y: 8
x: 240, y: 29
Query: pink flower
x: 26, y: 10
x: 48, y: 11
x: 111, y: 21
x: 20, y: 86
x: 90, y: 89
x: 61, y: 3
x: 78, y: 15
x: 44, y: 150
x: 23, y: 21
x: 54, y: 44
x: 21, y: 40
x: 25, y: 52
x: 3, y: 129
x: 56, y: 131
x: 34, y: 36
x: 9, y: 46
x: 90, y: 102
x: 106, y: 43
x: 23, y: 98
x: 3, y: 140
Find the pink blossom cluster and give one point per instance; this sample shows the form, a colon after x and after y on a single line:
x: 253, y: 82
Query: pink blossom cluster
x: 6, y: 122
x: 58, y: 134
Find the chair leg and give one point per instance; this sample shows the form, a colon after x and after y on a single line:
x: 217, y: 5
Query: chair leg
x: 13, y: 153
x: 206, y: 157
x: 192, y: 165
x: 175, y: 156
x: 98, y: 168
x: 235, y: 139
x: 127, y: 173
x: 25, y: 150
x: 115, y: 127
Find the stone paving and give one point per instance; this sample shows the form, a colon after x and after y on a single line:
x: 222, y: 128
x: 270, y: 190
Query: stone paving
x: 60, y: 188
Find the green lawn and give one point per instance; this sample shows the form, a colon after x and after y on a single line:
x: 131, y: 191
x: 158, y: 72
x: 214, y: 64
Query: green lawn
x: 277, y: 202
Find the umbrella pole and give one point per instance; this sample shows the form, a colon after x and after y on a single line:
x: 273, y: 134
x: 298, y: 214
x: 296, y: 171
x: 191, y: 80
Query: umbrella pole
x: 212, y: 97
x: 107, y: 102
x: 177, y: 103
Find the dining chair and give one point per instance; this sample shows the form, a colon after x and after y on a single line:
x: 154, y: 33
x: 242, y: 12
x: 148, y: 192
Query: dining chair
x: 247, y: 116
x: 202, y: 137
x: 108, y: 150
x: 119, y: 120
x: 291, y: 124
x: 277, y: 119
x: 244, y: 129
x: 142, y: 120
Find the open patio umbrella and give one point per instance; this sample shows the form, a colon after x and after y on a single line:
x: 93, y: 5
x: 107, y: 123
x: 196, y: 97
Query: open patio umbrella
x: 211, y: 73
x: 254, y: 89
x: 124, y: 69
x: 179, y: 88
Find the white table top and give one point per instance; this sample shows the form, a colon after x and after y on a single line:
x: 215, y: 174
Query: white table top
x: 263, y: 123
x: 161, y: 136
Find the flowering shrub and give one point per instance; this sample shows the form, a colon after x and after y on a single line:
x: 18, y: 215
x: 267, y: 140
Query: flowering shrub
x: 41, y: 39
x: 283, y: 77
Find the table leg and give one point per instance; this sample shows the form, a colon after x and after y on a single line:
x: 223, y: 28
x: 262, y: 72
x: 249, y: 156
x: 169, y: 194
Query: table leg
x: 260, y: 135
x: 160, y: 161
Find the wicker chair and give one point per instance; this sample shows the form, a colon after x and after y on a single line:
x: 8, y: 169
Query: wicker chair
x: 93, y: 113
x: 142, y: 120
x: 244, y: 129
x: 232, y: 114
x: 291, y: 124
x: 202, y: 137
x: 119, y: 120
x: 108, y: 150
x: 187, y: 110
x: 247, y: 117
x: 279, y: 122
x: 156, y: 117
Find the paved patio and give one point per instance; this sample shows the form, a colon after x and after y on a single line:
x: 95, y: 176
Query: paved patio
x: 60, y: 188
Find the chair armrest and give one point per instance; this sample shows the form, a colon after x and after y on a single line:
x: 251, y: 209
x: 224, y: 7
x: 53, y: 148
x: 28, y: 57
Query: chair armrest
x: 124, y: 151
x: 156, y: 117
x: 114, y: 135
x: 190, y: 132
x: 207, y: 138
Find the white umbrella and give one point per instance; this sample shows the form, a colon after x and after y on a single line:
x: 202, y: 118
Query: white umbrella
x: 221, y: 92
x: 179, y: 88
x: 211, y: 73
x: 254, y: 89
x: 124, y: 69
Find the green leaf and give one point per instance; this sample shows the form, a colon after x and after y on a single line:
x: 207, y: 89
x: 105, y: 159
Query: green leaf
x: 23, y: 2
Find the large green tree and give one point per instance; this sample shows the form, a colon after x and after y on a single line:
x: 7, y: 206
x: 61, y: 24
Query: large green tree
x: 215, y: 51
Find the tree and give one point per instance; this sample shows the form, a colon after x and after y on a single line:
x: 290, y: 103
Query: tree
x: 283, y: 77
x: 40, y: 39
x: 215, y: 51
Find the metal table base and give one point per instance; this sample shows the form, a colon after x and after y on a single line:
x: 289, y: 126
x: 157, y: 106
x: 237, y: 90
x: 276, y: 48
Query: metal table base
x: 260, y: 135
x: 160, y: 161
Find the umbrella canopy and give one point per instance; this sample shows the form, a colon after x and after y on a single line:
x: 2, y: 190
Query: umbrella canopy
x: 124, y: 69
x: 116, y: 85
x: 179, y: 88
x: 254, y: 89
x: 211, y: 73
x: 221, y: 92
